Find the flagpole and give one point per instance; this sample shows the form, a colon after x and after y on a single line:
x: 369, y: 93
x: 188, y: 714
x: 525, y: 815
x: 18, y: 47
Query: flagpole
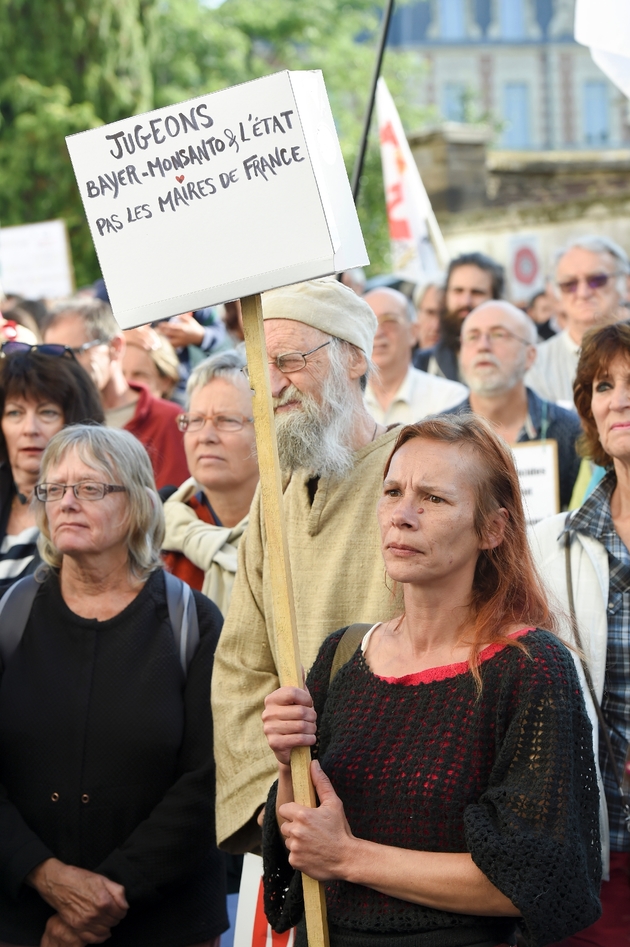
x: 360, y: 160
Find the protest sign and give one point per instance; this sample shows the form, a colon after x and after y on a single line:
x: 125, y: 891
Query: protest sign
x: 537, y: 467
x: 224, y: 196
x: 35, y: 260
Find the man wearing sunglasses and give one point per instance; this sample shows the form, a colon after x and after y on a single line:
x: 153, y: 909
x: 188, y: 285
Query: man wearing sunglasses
x: 88, y: 328
x: 591, y: 280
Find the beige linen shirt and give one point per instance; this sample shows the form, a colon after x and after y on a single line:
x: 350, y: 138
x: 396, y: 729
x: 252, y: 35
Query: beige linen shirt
x: 338, y: 578
x: 419, y: 395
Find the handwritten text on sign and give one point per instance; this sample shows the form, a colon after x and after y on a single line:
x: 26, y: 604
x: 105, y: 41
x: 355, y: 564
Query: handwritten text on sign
x: 224, y: 195
x: 195, y: 156
x: 537, y: 466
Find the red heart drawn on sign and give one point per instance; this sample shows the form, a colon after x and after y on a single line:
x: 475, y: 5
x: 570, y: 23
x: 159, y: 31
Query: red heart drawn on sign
x: 179, y: 177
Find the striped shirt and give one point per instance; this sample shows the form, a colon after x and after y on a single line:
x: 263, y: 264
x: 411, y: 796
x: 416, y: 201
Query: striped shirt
x: 18, y: 556
x: 595, y: 519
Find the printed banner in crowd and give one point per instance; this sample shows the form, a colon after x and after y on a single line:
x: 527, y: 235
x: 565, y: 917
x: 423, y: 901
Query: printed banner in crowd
x: 418, y: 248
x: 252, y: 927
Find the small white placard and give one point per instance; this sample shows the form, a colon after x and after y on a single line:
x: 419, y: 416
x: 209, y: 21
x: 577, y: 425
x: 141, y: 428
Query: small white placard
x: 219, y: 197
x: 35, y: 260
x: 537, y: 466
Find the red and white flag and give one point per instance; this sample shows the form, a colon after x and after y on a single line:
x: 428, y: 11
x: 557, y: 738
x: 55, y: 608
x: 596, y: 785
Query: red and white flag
x: 252, y: 927
x: 418, y: 248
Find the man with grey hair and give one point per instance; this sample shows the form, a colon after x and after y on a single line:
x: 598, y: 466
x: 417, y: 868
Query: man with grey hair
x: 319, y: 337
x: 591, y: 279
x: 88, y: 327
x: 498, y: 345
x: 399, y: 392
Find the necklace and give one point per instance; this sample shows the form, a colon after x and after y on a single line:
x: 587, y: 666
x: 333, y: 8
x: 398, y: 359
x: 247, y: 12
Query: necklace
x: 375, y: 430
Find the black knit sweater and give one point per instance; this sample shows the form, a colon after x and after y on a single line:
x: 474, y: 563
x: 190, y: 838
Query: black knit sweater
x: 508, y: 777
x: 106, y: 763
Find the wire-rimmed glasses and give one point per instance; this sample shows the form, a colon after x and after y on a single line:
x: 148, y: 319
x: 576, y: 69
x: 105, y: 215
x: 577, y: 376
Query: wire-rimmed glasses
x: 290, y: 362
x: 189, y: 423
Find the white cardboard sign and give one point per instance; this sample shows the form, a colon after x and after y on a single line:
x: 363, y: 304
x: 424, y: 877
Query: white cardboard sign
x: 537, y: 467
x: 35, y: 260
x: 223, y: 196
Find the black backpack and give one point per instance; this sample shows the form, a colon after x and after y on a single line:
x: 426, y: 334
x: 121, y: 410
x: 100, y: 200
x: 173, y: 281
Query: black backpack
x: 17, y: 601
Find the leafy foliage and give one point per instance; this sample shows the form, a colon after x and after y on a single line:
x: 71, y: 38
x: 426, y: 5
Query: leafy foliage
x: 69, y: 65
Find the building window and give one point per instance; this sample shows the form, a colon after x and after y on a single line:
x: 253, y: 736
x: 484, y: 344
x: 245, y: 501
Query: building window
x: 453, y: 101
x: 512, y: 19
x: 596, y: 127
x: 452, y: 19
x: 516, y: 115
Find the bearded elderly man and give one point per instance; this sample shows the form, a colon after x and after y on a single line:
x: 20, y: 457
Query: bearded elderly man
x: 498, y: 346
x: 319, y: 335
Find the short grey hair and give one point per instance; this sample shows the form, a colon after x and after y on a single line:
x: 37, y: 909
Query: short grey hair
x: 596, y: 244
x: 121, y: 459
x: 438, y: 282
x: 228, y: 364
x: 96, y: 314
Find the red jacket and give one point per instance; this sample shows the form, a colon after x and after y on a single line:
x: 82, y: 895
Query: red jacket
x: 154, y: 426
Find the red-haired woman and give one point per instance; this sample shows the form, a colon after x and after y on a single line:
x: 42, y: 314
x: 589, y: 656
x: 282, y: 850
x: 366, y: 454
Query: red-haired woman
x: 454, y: 770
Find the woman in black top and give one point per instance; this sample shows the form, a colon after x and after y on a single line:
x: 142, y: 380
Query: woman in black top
x: 106, y: 764
x: 42, y: 388
x: 454, y: 766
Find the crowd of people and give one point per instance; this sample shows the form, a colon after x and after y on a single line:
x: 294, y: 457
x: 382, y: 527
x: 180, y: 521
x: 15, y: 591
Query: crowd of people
x: 467, y: 694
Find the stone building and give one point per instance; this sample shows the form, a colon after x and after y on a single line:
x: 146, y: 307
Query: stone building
x: 514, y: 64
x: 531, y: 142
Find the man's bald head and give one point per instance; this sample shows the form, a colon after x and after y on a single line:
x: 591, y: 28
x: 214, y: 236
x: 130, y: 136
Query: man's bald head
x: 393, y: 341
x: 385, y: 298
x: 498, y: 345
x: 522, y: 323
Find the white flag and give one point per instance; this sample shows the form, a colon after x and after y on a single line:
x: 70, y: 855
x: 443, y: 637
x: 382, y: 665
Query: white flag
x: 604, y: 26
x: 412, y: 223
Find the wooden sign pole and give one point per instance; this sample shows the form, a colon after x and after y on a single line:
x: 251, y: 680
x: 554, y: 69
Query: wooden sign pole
x: 289, y: 666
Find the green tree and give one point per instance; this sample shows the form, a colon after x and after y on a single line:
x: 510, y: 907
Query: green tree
x: 97, y: 49
x: 36, y: 179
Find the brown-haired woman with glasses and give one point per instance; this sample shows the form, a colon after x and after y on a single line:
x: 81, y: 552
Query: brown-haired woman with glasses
x: 207, y: 516
x: 585, y: 559
x: 454, y: 767
x: 42, y: 388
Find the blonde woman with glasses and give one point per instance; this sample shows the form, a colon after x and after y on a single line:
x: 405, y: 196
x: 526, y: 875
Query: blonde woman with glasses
x: 106, y: 756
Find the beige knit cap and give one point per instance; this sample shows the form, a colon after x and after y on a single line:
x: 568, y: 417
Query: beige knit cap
x: 325, y: 304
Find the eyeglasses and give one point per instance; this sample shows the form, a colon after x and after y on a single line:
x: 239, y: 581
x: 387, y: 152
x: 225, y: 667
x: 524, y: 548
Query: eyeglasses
x: 86, y: 490
x: 291, y: 361
x: 56, y: 351
x: 596, y: 281
x: 494, y: 335
x: 80, y: 349
x: 188, y: 423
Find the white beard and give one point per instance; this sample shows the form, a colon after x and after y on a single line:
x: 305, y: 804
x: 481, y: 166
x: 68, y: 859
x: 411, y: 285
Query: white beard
x: 317, y: 436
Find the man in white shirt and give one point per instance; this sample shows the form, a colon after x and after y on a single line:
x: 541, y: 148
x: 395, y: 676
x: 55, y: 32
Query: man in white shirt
x: 398, y: 392
x: 592, y: 281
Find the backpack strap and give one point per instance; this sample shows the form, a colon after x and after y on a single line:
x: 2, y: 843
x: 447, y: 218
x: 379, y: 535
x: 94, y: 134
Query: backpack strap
x: 346, y: 647
x: 15, y: 607
x: 182, y: 613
